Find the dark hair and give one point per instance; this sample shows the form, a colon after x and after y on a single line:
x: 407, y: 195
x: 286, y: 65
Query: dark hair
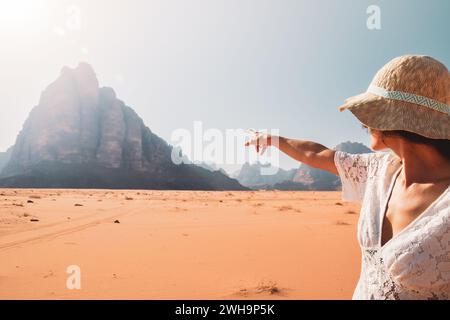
x: 441, y: 145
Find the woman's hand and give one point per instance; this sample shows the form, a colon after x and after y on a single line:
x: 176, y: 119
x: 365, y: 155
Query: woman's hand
x: 260, y: 140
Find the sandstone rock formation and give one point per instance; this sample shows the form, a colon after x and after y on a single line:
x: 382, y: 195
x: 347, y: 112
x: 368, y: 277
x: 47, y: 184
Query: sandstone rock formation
x: 81, y: 135
x: 4, y: 158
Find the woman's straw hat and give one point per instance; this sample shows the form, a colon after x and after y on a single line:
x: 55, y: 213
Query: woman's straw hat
x: 410, y: 93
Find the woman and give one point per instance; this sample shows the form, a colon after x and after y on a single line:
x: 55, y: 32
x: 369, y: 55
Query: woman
x: 404, y: 224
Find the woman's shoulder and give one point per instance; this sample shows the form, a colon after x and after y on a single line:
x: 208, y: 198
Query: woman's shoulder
x: 367, y: 160
x: 356, y: 170
x: 389, y: 158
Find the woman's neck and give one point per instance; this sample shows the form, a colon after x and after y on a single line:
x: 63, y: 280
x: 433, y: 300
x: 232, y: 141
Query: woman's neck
x: 422, y: 163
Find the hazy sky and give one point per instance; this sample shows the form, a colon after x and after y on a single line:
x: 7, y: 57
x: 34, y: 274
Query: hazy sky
x: 229, y: 63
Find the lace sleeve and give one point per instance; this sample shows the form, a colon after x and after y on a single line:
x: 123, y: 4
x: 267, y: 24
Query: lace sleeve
x: 353, y: 170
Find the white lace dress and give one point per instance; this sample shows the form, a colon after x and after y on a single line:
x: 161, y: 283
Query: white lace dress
x: 415, y: 263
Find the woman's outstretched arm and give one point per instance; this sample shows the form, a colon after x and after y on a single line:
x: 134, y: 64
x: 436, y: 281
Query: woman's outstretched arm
x: 307, y: 152
x: 311, y: 153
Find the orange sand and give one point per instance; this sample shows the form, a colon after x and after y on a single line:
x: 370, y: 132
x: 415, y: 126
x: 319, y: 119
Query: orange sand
x: 178, y: 244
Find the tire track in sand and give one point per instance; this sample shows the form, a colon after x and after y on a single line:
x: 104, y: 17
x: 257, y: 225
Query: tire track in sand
x: 56, y: 230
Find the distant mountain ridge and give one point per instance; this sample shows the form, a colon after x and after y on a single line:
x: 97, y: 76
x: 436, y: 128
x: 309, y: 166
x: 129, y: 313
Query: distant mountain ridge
x: 353, y: 147
x: 303, y: 178
x: 251, y: 175
x: 81, y: 136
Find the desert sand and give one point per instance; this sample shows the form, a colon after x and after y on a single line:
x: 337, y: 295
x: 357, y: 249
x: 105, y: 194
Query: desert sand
x: 177, y: 244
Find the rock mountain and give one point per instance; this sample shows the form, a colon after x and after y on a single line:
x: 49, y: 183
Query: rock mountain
x: 81, y: 135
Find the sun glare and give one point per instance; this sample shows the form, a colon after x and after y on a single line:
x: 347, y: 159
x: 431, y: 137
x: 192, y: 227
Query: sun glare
x: 22, y: 15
